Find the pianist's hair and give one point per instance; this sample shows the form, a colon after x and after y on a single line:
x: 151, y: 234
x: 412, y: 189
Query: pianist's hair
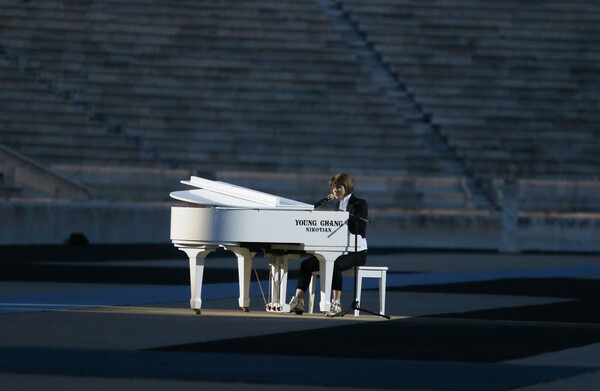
x: 344, y: 180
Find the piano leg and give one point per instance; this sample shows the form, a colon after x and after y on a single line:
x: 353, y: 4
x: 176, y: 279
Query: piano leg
x: 275, y: 275
x: 197, y: 256
x: 282, y: 283
x: 278, y: 263
x: 326, y: 262
x: 244, y: 257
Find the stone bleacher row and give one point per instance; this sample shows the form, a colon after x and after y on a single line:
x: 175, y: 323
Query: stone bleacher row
x: 39, y: 124
x: 170, y: 56
x: 265, y: 86
x: 109, y: 91
x: 383, y: 192
x: 512, y: 85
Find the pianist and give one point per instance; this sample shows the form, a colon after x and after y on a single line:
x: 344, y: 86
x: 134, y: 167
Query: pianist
x: 342, y: 189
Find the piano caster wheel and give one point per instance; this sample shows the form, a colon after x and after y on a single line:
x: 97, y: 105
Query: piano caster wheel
x: 246, y: 309
x: 198, y: 312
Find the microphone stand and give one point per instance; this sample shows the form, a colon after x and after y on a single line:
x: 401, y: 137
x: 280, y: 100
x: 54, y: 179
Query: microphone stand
x: 355, y: 303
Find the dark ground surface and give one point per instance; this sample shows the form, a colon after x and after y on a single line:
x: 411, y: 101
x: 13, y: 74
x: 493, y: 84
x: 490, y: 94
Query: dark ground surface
x: 91, y: 315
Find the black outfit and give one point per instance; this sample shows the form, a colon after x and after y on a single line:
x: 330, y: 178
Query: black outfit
x: 357, y: 207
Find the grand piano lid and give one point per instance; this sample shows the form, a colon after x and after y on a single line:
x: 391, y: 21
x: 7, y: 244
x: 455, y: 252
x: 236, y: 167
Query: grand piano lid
x: 222, y: 194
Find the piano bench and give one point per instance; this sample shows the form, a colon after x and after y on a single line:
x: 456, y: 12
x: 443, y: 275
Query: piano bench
x: 379, y: 272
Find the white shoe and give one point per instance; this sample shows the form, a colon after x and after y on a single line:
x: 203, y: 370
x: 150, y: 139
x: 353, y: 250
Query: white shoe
x: 336, y: 307
x: 297, y: 305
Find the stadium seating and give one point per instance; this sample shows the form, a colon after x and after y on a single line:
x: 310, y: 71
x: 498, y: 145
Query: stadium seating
x: 263, y: 86
x: 513, y: 86
x: 125, y: 96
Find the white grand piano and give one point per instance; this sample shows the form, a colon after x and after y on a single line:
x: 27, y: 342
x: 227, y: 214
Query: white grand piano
x: 247, y: 221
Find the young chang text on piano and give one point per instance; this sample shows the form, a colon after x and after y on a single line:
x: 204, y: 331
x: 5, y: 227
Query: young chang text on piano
x: 320, y: 226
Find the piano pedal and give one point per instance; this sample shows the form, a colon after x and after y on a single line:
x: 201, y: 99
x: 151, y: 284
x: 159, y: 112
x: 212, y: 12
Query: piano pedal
x: 274, y: 307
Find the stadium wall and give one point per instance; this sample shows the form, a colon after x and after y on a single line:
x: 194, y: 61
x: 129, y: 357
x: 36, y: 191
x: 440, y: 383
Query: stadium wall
x: 101, y: 223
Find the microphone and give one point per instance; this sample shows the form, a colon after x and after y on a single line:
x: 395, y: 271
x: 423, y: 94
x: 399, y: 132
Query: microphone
x: 324, y: 200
